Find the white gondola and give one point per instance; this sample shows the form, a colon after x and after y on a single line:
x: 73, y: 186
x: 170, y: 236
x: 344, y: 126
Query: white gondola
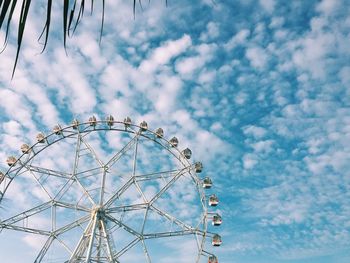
x: 2, y: 177
x: 174, y: 142
x: 143, y: 126
x: 92, y: 121
x: 11, y: 160
x: 213, y: 259
x: 57, y: 129
x: 127, y: 122
x: 159, y: 133
x: 25, y: 148
x: 216, y: 241
x: 217, y: 220
x: 75, y: 124
x: 187, y: 153
x: 198, y: 166
x: 207, y: 183
x: 213, y: 200
x: 110, y: 120
x: 40, y: 138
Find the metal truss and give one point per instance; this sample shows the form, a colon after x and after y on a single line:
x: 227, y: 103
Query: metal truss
x: 98, y: 219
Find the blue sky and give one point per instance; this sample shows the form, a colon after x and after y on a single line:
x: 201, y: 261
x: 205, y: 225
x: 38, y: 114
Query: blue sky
x: 259, y: 90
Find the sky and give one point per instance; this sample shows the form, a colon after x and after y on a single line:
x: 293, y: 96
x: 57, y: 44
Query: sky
x: 258, y: 90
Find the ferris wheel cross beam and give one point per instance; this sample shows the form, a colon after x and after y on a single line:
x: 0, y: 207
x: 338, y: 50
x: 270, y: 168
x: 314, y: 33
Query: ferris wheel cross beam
x: 145, y: 250
x: 92, y: 151
x: 38, y: 182
x: 138, y: 188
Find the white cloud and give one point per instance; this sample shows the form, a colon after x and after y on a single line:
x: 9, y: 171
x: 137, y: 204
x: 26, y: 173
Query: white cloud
x: 12, y: 127
x: 16, y: 107
x: 268, y: 5
x: 255, y: 131
x: 187, y: 66
x: 241, y: 98
x: 162, y: 55
x: 328, y: 6
x: 257, y: 56
x: 249, y: 161
x: 213, y: 31
x: 238, y: 39
x: 263, y: 146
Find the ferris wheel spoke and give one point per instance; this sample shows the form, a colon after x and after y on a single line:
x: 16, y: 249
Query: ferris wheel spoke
x: 171, y: 218
x: 122, y: 225
x: 169, y: 234
x: 44, y: 249
x: 71, y: 206
x: 49, y: 172
x: 25, y: 229
x: 119, y: 154
x: 26, y: 214
x: 127, y: 208
x: 127, y: 247
x: 157, y: 175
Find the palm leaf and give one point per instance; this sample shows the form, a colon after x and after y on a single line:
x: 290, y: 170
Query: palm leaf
x: 22, y: 23
x: 103, y: 19
x: 65, y: 22
x: 70, y: 20
x: 47, y: 24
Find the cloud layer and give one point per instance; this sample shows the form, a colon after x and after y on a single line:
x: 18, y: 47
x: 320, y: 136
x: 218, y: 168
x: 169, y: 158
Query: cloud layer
x: 258, y: 91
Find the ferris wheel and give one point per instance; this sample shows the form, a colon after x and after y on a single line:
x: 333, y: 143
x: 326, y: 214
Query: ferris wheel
x: 108, y: 191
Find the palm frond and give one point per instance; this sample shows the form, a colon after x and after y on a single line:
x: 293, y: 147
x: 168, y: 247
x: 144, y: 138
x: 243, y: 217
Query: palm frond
x: 46, y: 28
x: 21, y: 27
x: 73, y: 12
